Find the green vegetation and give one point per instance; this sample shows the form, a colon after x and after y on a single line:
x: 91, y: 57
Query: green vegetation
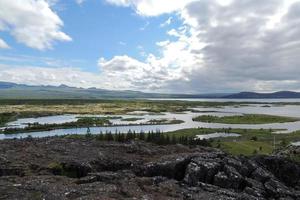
x: 13, y: 116
x: 245, y: 119
x: 132, y: 119
x: 36, y: 108
x: 69, y: 106
x: 6, y: 117
x: 258, y: 141
x: 153, y: 137
x: 164, y: 121
x: 60, y: 169
x: 93, y: 121
x: 247, y: 147
x: 111, y: 107
x: 81, y: 122
x: 251, y: 141
x: 294, y: 157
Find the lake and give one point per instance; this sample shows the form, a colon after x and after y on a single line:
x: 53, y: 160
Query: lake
x: 125, y: 126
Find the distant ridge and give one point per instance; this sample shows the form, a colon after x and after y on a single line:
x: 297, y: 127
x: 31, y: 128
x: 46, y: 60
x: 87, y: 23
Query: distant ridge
x: 22, y: 91
x: 254, y: 95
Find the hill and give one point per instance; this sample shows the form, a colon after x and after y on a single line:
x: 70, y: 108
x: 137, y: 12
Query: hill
x: 22, y: 91
x: 254, y: 95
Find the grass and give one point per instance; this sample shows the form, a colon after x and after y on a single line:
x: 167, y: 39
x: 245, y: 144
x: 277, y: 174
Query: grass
x: 81, y: 122
x: 94, y: 121
x: 247, y: 147
x: 13, y: 116
x: 68, y: 106
x: 251, y: 141
x: 6, y: 117
x: 245, y: 119
x: 132, y: 119
x: 93, y: 107
x: 164, y: 121
x: 59, y: 169
x: 84, y: 122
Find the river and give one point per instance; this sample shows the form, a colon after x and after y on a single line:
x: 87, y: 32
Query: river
x: 124, y: 127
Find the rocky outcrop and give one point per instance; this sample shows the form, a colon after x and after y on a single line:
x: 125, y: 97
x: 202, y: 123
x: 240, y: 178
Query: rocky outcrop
x: 60, y: 168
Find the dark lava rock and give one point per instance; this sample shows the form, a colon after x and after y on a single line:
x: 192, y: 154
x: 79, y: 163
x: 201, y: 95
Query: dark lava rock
x: 285, y: 170
x: 60, y: 168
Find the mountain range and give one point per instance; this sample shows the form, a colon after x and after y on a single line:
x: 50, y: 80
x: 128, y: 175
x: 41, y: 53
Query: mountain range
x: 22, y: 91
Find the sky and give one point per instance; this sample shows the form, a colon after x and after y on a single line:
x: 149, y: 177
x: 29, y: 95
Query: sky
x: 173, y: 46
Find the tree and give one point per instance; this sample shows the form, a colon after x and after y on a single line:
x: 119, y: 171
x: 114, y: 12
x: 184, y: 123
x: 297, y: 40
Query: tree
x: 88, y: 133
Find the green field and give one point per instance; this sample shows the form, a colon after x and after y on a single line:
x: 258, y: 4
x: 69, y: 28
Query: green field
x: 78, y: 106
x: 13, y: 116
x: 84, y: 122
x: 251, y: 141
x: 245, y: 119
x: 132, y: 119
x: 81, y: 122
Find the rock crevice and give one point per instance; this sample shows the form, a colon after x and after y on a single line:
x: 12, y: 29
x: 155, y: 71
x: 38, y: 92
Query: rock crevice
x: 89, y: 169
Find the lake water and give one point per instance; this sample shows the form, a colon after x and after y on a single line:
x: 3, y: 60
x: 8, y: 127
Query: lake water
x: 296, y: 143
x: 125, y: 126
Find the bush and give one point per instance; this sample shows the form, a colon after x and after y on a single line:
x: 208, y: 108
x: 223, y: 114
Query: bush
x: 254, y: 138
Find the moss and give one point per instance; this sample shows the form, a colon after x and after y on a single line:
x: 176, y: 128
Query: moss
x: 245, y: 119
x: 250, y: 140
x: 132, y: 119
x: 60, y: 169
x: 36, y: 195
x: 56, y: 168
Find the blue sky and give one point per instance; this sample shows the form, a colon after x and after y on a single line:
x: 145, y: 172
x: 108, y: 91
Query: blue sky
x: 181, y: 46
x: 97, y: 29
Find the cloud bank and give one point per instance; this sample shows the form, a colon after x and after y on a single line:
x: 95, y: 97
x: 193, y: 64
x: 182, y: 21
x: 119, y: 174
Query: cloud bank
x: 221, y: 46
x: 31, y: 22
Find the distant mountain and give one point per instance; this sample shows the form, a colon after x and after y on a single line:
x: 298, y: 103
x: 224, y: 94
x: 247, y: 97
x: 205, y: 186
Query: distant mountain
x: 254, y: 95
x: 6, y: 85
x: 22, y: 91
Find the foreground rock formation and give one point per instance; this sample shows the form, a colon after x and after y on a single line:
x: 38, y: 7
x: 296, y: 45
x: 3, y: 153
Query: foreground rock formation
x: 61, y: 168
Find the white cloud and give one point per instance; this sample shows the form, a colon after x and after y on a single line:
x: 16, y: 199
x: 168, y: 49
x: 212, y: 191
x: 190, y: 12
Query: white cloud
x: 128, y: 73
x: 163, y: 43
x: 32, y: 22
x: 221, y: 46
x: 71, y: 76
x: 230, y: 45
x: 47, y: 76
x: 167, y: 22
x: 3, y: 44
x: 152, y: 7
x: 241, y: 52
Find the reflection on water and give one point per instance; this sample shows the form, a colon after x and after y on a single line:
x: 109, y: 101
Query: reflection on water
x: 125, y: 126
